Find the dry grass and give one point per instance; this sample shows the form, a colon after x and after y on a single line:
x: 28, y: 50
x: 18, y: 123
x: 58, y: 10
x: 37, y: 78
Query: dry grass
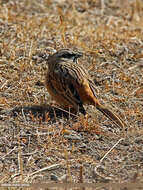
x: 41, y: 143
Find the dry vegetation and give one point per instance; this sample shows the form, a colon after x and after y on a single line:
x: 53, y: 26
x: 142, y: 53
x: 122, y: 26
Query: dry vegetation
x: 41, y: 143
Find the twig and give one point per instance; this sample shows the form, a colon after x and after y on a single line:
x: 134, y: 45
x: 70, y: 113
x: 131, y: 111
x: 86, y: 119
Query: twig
x: 1, y: 158
x: 23, y: 115
x: 102, y: 6
x: 20, y: 163
x: 81, y: 176
x: 4, y: 84
x: 98, y: 165
x: 13, y: 176
x: 64, y: 111
x: 52, y: 167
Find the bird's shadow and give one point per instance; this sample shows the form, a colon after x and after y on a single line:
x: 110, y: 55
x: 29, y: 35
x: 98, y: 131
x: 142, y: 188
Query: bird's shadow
x: 42, y: 111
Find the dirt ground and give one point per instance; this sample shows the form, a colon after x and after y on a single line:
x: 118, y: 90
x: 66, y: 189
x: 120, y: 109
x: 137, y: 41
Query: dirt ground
x: 40, y: 142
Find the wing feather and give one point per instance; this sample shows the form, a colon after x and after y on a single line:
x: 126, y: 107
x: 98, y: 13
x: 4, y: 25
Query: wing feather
x: 63, y: 80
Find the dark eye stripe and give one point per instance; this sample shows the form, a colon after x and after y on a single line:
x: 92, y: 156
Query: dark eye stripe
x: 68, y: 56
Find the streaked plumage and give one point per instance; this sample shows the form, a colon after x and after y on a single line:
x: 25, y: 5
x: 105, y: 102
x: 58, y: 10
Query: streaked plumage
x: 71, y: 85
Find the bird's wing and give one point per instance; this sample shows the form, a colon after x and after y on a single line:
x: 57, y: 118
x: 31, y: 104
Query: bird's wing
x: 64, y: 80
x: 93, y: 87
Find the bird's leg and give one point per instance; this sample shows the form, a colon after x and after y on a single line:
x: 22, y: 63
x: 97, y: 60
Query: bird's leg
x: 81, y: 109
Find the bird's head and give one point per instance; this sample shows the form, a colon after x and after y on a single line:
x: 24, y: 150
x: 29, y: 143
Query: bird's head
x: 67, y: 54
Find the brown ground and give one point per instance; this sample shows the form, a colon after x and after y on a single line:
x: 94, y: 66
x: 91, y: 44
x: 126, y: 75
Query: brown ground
x: 41, y: 143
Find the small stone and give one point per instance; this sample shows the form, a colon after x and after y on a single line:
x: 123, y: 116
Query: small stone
x: 139, y: 140
x: 54, y: 177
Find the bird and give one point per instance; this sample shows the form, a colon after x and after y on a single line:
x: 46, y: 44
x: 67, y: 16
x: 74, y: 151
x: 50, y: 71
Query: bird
x: 71, y: 85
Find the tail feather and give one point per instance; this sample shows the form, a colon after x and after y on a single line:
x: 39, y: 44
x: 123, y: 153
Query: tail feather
x: 112, y: 116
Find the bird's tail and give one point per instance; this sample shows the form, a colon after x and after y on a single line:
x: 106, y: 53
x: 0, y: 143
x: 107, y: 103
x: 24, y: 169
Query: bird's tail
x: 109, y: 114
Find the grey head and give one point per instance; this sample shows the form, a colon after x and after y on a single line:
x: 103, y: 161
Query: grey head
x: 68, y: 54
